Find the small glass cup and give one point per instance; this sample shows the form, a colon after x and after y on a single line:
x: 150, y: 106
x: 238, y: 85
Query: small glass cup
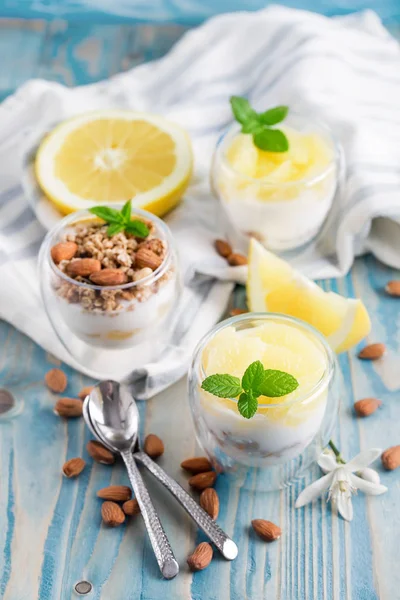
x: 111, y: 341
x: 282, y: 439
x: 282, y: 215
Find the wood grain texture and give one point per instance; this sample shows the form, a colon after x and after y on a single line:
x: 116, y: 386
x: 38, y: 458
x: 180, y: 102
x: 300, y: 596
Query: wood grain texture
x: 319, y: 555
x: 178, y: 11
x: 51, y: 534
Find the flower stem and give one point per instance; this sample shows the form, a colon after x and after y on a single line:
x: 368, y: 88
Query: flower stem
x: 337, y: 454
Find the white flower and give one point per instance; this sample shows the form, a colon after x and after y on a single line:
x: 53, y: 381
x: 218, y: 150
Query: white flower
x: 369, y: 475
x: 343, y: 480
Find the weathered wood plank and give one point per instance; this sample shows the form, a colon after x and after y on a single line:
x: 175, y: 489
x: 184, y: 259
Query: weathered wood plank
x: 183, y: 12
x: 317, y: 554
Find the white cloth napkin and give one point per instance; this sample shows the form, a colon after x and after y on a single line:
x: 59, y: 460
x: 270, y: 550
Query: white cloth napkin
x: 345, y: 71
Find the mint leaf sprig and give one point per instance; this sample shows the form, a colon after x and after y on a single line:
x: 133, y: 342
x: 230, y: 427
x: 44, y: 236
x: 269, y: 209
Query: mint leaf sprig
x: 120, y: 220
x: 259, y: 125
x: 256, y: 382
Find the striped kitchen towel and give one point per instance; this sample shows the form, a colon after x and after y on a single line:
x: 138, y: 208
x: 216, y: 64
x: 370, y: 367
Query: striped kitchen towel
x: 346, y: 71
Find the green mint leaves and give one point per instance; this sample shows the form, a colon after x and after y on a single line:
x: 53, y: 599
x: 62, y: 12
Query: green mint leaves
x: 256, y: 381
x: 120, y: 220
x: 223, y: 386
x: 259, y: 124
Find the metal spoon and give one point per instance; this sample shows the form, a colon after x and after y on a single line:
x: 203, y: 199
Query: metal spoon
x: 225, y: 545
x: 115, y: 419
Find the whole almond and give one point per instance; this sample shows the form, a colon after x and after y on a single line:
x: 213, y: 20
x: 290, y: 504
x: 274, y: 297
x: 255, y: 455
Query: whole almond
x: 63, y: 251
x: 201, y: 481
x: 68, y: 407
x: 391, y: 458
x: 109, y: 277
x: 73, y: 467
x: 372, y: 351
x: 153, y: 445
x: 267, y: 530
x: 147, y: 258
x: 223, y: 248
x: 112, y: 514
x: 131, y: 507
x: 367, y: 406
x: 85, y: 391
x: 237, y: 311
x: 83, y: 267
x: 201, y: 557
x: 56, y: 380
x: 116, y: 493
x: 210, y: 502
x: 100, y: 453
x: 393, y: 288
x: 197, y: 464
x: 237, y: 260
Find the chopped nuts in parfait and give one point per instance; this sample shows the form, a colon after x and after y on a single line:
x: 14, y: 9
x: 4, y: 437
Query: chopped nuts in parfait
x: 118, y: 288
x: 117, y: 253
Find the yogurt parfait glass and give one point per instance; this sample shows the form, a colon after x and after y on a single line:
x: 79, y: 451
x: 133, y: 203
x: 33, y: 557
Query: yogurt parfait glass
x: 280, y: 198
x: 287, y: 434
x: 119, y: 317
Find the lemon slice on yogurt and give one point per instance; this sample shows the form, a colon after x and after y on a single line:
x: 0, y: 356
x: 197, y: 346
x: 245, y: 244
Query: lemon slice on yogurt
x: 278, y: 346
x: 113, y: 156
x: 274, y: 286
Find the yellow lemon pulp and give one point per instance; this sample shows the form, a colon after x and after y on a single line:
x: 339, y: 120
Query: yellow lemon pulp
x: 278, y: 346
x: 274, y: 286
x: 309, y: 156
x: 114, y: 156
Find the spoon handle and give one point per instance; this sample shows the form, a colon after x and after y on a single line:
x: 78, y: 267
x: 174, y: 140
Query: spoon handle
x: 161, y: 546
x: 225, y: 545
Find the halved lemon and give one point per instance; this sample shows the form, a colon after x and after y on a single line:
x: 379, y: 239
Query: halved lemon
x: 274, y: 286
x: 113, y: 156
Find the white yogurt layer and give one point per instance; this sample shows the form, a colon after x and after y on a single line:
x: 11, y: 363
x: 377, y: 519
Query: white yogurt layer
x: 134, y: 324
x: 280, y: 225
x: 262, y: 441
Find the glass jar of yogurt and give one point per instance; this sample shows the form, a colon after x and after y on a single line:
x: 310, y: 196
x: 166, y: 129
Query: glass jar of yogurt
x: 110, y: 299
x: 286, y: 434
x: 280, y: 198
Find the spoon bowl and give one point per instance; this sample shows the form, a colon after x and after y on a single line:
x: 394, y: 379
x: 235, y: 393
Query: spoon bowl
x: 113, y: 415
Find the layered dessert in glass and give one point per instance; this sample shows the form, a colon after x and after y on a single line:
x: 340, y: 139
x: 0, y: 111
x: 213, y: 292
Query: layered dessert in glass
x: 282, y: 428
x: 280, y: 198
x: 112, y: 292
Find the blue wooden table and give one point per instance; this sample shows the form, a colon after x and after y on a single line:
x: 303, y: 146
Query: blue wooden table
x: 51, y: 535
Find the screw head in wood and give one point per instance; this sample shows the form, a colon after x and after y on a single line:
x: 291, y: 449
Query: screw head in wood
x: 83, y: 587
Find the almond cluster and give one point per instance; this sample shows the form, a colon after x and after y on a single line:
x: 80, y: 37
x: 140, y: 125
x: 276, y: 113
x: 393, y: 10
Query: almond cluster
x: 117, y: 500
x: 88, y: 255
x: 234, y: 259
x: 203, y: 477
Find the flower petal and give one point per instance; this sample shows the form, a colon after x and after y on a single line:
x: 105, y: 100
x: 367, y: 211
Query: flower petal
x: 314, y: 490
x: 369, y: 475
x: 345, y: 506
x: 363, y: 459
x: 372, y: 489
x: 327, y: 462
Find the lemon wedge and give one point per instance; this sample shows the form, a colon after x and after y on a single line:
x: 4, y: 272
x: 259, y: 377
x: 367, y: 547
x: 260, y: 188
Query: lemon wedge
x: 274, y: 286
x: 113, y: 156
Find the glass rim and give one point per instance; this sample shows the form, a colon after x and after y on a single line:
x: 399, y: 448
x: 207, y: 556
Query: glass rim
x: 324, y: 380
x: 79, y: 215
x: 234, y: 129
